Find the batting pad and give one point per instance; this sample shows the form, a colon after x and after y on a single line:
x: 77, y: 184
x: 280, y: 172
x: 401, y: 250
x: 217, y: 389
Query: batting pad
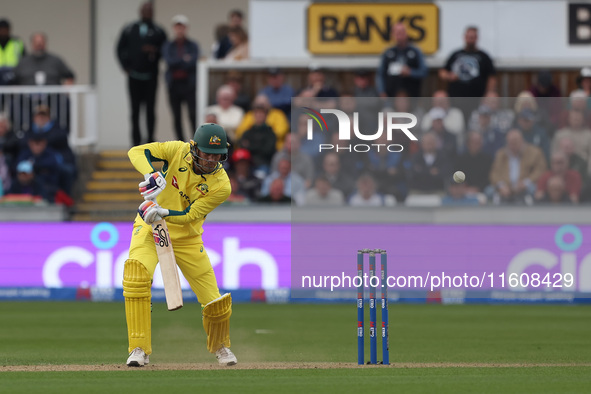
x: 136, y: 290
x: 216, y: 321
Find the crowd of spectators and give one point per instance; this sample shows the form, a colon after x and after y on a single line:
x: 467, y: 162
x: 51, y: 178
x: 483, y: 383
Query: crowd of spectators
x: 36, y: 163
x: 533, y: 149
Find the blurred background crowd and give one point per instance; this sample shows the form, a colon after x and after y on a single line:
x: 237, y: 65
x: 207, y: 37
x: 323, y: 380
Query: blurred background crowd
x: 534, y: 148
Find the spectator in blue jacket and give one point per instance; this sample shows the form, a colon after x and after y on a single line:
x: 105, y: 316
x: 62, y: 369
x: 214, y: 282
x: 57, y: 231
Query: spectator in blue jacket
x: 57, y: 141
x: 45, y: 163
x: 278, y: 92
x: 181, y: 55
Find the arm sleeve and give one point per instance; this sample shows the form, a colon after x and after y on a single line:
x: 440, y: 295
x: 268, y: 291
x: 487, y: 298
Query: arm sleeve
x: 450, y: 61
x: 421, y: 71
x: 122, y: 49
x: 201, y: 207
x: 169, y: 57
x: 64, y: 70
x: 142, y: 156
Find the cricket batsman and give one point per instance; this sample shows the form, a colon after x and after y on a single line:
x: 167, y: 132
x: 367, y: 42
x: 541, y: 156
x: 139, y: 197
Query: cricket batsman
x: 197, y: 184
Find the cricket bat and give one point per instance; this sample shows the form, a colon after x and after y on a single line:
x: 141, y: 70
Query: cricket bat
x: 170, y: 274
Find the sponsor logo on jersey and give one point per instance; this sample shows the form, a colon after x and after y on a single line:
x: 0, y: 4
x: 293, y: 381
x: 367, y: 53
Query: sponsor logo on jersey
x: 183, y: 169
x: 175, y: 183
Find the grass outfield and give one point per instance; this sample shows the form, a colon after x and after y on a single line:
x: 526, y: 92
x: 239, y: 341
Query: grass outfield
x: 298, y: 348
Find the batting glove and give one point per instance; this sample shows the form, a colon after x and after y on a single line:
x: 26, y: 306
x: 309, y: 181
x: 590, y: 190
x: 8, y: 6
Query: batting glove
x: 151, y: 212
x: 152, y: 186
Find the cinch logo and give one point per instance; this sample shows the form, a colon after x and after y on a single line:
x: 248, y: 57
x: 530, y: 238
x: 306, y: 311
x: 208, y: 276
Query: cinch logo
x: 101, y: 263
x: 345, y: 128
x: 567, y: 261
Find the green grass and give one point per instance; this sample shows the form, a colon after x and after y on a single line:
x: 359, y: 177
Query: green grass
x: 95, y: 333
x: 473, y: 380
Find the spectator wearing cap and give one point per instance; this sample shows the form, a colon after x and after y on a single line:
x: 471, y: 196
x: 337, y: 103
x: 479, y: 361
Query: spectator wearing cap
x: 12, y: 50
x: 429, y: 168
x: 500, y: 118
x: 45, y: 163
x: 248, y: 185
x: 469, y: 71
x: 401, y: 67
x: 275, y: 119
x: 323, y: 194
x: 57, y: 141
x: 475, y: 163
x: 181, y: 55
x: 584, y: 80
x: 516, y: 170
x: 278, y: 91
x: 364, y: 86
x: 235, y: 81
x: 559, y: 168
x: 228, y: 115
x: 41, y: 67
x: 28, y: 183
x: 223, y: 45
x: 447, y: 142
x: 301, y: 163
x: 579, y: 133
x: 9, y: 142
x: 454, y: 118
x: 533, y: 132
x: 139, y: 51
x: 548, y: 96
x: 239, y: 39
x: 260, y: 141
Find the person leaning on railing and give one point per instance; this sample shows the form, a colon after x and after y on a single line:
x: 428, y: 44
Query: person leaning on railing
x: 41, y: 67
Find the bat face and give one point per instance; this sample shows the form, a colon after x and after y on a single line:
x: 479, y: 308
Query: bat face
x: 172, y: 285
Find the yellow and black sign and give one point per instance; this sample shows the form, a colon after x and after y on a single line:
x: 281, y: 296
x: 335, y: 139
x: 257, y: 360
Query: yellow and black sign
x: 355, y: 28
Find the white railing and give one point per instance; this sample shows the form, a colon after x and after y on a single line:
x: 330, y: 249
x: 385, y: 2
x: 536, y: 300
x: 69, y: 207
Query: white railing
x: 74, y: 108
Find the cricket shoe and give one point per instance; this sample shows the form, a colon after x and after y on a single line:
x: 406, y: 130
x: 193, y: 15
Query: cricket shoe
x: 225, y: 356
x: 138, y: 358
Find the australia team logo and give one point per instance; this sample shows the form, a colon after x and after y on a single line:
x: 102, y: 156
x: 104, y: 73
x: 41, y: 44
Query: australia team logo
x: 215, y: 140
x: 202, y: 188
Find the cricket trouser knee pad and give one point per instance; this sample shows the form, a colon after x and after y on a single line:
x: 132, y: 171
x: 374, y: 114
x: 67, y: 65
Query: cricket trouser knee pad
x: 137, y: 293
x: 216, y: 321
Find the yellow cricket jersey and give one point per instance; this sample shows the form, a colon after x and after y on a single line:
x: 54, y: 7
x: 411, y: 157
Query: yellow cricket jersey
x: 188, y: 196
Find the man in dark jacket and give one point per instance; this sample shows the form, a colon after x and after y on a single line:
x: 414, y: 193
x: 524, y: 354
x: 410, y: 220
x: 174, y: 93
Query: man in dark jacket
x: 138, y: 51
x: 181, y: 55
x: 402, y: 67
